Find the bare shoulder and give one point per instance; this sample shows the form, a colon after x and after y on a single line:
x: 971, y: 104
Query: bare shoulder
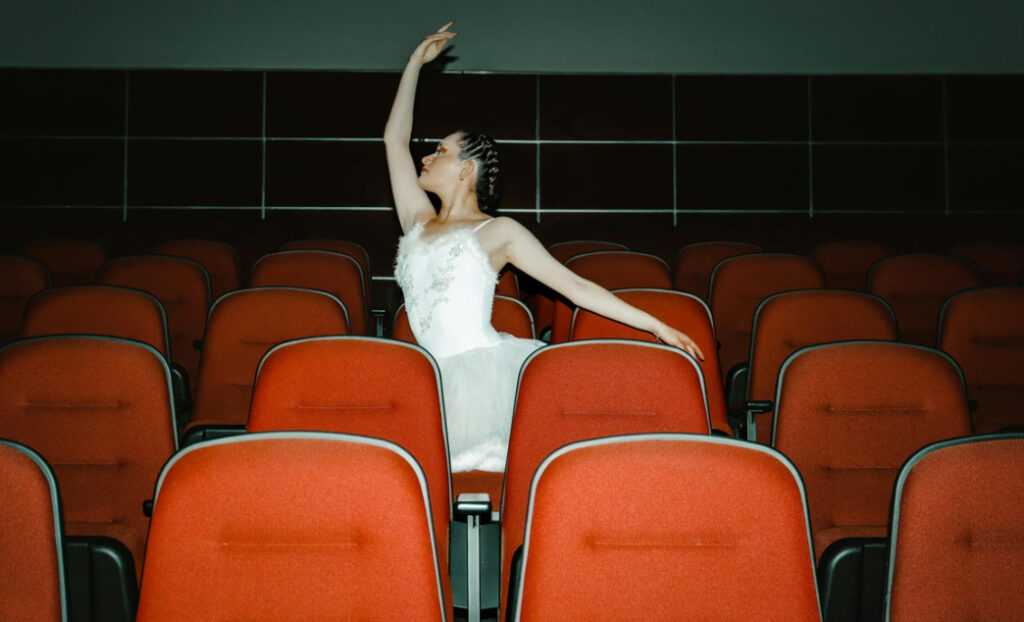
x: 508, y: 229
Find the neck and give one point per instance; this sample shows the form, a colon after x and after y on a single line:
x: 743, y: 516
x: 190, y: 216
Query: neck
x: 459, y: 205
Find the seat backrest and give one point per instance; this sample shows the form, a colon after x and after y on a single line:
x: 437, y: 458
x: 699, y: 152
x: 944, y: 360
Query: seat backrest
x: 23, y: 277
x: 983, y: 329
x: 291, y: 525
x: 739, y: 284
x: 181, y: 285
x: 846, y: 262
x: 508, y: 315
x: 786, y: 322
x: 849, y: 414
x: 542, y: 303
x: 915, y: 286
x: 243, y: 326
x: 98, y: 310
x: 71, y: 262
x: 695, y: 262
x: 680, y: 310
x: 955, y: 549
x: 650, y: 529
x: 334, y: 273
x: 563, y: 251
x: 366, y: 386
x: 588, y: 389
x: 1000, y: 263
x: 219, y: 258
x: 99, y: 410
x: 508, y: 284
x: 611, y: 270
x: 352, y: 249
x: 31, y: 542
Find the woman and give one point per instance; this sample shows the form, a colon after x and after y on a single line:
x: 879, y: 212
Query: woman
x: 447, y: 267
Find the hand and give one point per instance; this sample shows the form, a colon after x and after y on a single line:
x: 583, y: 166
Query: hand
x: 679, y: 339
x: 431, y: 46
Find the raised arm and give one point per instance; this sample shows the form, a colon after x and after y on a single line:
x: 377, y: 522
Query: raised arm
x: 525, y: 252
x: 411, y: 201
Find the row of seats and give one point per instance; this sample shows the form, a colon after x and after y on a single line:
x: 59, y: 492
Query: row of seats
x: 914, y: 285
x: 981, y: 329
x: 100, y: 409
x: 846, y: 265
x: 621, y: 527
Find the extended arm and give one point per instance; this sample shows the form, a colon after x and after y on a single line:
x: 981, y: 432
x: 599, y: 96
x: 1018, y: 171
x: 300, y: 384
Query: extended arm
x: 524, y: 251
x: 411, y: 202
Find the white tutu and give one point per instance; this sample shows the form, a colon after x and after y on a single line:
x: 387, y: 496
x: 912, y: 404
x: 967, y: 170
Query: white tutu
x: 479, y: 388
x: 448, y: 283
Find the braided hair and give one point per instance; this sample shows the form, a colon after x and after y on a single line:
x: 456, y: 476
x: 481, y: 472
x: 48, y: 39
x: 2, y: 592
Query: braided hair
x: 484, y: 152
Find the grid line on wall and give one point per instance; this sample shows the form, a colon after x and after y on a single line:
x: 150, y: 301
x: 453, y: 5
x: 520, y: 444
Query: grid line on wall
x: 675, y: 159
x: 124, y: 169
x: 536, y: 205
x: 263, y: 149
x: 810, y: 150
x: 945, y: 145
x: 538, y: 142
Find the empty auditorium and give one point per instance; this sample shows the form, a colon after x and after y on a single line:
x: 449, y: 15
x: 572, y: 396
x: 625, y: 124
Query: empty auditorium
x: 507, y: 312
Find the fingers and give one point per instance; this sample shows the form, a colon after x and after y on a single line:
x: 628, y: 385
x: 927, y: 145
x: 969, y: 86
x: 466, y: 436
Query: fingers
x: 696, y: 352
x: 446, y: 26
x: 442, y: 36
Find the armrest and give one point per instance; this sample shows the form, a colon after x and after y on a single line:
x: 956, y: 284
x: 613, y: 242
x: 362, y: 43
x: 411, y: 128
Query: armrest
x: 758, y: 408
x: 473, y: 504
x: 378, y: 316
x: 100, y: 579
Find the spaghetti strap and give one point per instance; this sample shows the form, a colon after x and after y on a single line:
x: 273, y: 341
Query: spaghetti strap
x: 478, y: 227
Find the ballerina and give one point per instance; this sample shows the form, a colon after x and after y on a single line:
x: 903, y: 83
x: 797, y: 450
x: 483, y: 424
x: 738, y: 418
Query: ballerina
x: 447, y: 266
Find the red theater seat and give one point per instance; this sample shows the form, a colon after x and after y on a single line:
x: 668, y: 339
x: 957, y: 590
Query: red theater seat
x: 588, y: 389
x: 98, y: 310
x: 31, y: 541
x: 508, y: 285
x: 334, y: 273
x: 846, y: 263
x: 352, y: 249
x: 611, y: 270
x: 787, y: 322
x: 98, y: 409
x: 683, y: 311
x: 1000, y: 264
x: 696, y: 262
x: 244, y: 325
x: 983, y: 329
x: 291, y: 526
x: 916, y: 286
x: 849, y: 414
x: 739, y: 284
x: 366, y: 386
x: 181, y: 285
x: 542, y: 304
x: 71, y: 262
x: 219, y: 258
x: 23, y: 277
x: 957, y: 532
x: 653, y: 527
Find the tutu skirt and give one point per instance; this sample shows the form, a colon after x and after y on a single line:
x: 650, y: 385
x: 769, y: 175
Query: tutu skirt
x: 479, y: 391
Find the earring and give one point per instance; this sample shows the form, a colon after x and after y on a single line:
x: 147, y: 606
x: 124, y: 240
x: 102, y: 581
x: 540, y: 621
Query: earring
x: 460, y: 177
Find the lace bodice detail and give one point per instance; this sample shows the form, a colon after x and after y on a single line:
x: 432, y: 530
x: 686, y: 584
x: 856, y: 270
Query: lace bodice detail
x: 448, y: 284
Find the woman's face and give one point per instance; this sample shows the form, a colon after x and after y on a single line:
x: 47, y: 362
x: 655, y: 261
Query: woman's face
x: 442, y: 168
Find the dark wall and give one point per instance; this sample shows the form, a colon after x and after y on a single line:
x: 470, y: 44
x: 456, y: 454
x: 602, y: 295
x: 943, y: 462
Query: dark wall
x: 258, y: 158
